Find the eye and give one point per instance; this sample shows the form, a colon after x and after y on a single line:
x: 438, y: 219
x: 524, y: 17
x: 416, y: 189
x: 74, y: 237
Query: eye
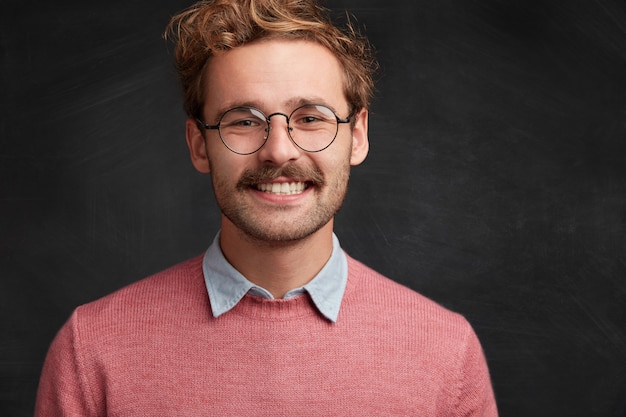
x: 308, y: 119
x: 313, y: 117
x: 242, y: 118
x: 244, y: 123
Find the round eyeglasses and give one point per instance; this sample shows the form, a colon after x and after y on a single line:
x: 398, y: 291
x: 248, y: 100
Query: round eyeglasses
x: 244, y: 130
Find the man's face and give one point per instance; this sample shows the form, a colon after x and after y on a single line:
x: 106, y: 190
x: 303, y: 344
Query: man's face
x: 277, y: 76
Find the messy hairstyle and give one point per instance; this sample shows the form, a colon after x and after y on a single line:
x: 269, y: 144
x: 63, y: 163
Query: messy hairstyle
x: 210, y: 27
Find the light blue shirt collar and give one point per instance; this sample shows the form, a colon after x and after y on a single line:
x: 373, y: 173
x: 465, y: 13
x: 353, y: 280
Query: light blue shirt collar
x: 226, y: 286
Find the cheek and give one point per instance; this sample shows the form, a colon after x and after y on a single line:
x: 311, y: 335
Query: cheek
x: 220, y: 170
x: 219, y: 160
x: 336, y: 171
x: 227, y: 167
x: 338, y: 158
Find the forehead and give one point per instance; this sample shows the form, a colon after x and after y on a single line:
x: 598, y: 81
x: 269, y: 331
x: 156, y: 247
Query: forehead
x: 274, y: 74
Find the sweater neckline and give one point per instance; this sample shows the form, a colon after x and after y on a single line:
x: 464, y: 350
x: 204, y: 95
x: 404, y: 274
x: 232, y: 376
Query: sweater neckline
x: 264, y: 309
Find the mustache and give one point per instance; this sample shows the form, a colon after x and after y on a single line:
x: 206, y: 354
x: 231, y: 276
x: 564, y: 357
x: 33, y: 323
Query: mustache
x: 267, y: 173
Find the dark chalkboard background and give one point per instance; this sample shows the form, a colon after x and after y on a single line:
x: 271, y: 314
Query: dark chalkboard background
x: 496, y: 182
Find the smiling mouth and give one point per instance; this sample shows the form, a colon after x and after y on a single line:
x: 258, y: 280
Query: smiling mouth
x: 283, y: 188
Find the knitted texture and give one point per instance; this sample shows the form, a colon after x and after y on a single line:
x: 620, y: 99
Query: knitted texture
x: 154, y: 349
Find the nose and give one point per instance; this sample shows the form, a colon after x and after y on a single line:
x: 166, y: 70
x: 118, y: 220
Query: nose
x: 279, y: 148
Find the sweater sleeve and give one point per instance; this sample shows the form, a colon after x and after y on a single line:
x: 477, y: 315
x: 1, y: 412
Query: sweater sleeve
x: 62, y: 391
x: 475, y: 397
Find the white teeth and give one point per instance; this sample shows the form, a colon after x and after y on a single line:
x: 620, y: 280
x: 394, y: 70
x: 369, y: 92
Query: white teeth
x: 282, y: 188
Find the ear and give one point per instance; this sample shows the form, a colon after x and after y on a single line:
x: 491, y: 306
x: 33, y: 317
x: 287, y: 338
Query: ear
x: 197, y: 146
x: 360, y: 141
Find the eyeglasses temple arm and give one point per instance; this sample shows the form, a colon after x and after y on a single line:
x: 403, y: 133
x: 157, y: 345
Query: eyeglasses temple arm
x: 206, y: 126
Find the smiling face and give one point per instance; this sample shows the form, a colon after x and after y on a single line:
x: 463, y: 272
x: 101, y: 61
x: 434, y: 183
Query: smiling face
x: 280, y: 193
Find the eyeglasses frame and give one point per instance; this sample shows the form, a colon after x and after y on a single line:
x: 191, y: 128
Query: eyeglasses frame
x: 207, y: 126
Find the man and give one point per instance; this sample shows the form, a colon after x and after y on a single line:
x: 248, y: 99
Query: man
x: 274, y: 319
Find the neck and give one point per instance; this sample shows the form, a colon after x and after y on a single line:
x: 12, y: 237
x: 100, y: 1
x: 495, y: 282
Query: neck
x: 276, y: 266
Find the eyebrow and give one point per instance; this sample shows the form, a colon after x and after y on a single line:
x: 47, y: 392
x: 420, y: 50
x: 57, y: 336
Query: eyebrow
x: 290, y: 105
x: 301, y: 101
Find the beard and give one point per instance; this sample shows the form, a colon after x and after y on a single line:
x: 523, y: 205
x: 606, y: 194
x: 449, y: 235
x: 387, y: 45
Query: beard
x: 283, y: 223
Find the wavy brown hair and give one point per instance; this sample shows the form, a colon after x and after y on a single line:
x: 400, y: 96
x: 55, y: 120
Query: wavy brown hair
x: 210, y: 27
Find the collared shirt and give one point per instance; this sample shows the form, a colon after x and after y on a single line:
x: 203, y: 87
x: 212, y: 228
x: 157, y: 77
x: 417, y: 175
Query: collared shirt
x: 226, y: 286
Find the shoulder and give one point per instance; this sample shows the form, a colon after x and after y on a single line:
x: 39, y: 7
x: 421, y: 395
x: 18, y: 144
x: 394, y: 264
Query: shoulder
x: 369, y: 290
x: 150, y: 300
x: 425, y: 337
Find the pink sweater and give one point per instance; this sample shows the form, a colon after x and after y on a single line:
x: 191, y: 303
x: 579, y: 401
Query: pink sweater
x: 154, y: 349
